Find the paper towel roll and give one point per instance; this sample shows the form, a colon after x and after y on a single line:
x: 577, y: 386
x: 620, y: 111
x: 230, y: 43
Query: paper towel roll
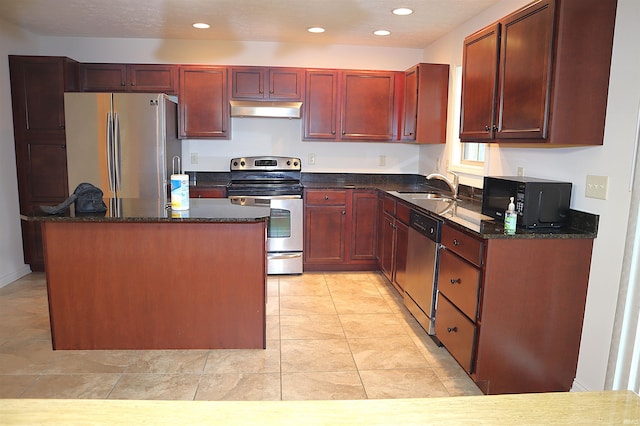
x: 180, y: 192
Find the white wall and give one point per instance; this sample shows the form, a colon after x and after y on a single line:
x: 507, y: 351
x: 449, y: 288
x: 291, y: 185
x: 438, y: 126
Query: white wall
x: 12, y: 267
x: 613, y: 159
x: 258, y: 136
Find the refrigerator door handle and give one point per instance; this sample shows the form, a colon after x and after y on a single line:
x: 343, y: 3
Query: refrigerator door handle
x: 110, y: 142
x: 116, y: 152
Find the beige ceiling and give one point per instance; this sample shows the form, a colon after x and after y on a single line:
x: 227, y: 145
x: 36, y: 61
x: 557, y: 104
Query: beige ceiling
x: 346, y: 21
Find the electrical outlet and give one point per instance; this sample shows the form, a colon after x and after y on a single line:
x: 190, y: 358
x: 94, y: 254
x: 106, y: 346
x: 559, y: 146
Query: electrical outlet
x: 311, y: 159
x: 520, y: 171
x: 597, y: 187
x: 194, y: 158
x: 382, y: 160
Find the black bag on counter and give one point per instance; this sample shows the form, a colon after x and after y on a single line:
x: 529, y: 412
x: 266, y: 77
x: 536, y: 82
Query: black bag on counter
x: 87, y: 197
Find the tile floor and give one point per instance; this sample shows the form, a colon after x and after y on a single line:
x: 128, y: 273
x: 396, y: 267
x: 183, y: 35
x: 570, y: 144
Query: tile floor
x: 329, y: 336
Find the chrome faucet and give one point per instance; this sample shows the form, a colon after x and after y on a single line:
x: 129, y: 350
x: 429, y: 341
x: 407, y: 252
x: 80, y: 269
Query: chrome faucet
x: 453, y: 185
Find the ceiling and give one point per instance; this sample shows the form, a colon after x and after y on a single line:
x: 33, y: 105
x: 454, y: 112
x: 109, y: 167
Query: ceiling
x: 350, y: 22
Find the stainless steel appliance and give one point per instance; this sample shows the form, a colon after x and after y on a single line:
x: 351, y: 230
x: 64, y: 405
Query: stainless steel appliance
x: 123, y: 143
x: 540, y: 203
x: 273, y: 181
x: 421, y: 271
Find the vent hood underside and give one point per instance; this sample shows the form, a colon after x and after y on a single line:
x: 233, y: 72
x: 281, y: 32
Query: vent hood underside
x: 265, y: 109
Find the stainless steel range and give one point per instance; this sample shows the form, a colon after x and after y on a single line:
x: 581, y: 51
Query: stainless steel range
x: 273, y: 181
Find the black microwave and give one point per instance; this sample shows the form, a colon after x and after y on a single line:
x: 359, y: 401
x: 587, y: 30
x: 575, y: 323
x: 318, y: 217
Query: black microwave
x: 540, y: 203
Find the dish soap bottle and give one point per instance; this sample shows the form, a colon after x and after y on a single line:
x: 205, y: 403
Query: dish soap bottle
x: 510, y: 218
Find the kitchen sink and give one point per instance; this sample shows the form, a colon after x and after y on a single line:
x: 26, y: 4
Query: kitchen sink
x: 426, y: 196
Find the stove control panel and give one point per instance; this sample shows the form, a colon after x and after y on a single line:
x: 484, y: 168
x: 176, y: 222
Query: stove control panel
x: 265, y: 163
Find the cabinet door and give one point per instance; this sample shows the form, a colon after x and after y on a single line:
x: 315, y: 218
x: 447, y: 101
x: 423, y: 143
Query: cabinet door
x: 37, y: 94
x: 285, y: 84
x: 203, y: 103
x: 410, y: 110
x: 363, y: 225
x: 387, y: 233
x: 46, y: 171
x: 153, y: 78
x: 321, y: 104
x: 401, y: 247
x: 325, y: 234
x: 103, y: 77
x: 248, y: 83
x: 525, y: 74
x: 367, y: 105
x: 479, y: 84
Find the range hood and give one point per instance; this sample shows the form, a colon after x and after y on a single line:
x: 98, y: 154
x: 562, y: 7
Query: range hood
x: 265, y: 109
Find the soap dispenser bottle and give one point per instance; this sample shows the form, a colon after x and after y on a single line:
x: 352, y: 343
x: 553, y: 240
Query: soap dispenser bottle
x: 510, y: 218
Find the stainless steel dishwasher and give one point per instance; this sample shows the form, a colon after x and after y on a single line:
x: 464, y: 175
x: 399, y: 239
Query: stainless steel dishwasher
x: 422, y: 268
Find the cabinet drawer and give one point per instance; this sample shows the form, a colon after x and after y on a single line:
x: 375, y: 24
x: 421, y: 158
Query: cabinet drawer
x: 211, y: 192
x: 403, y: 212
x: 326, y: 198
x: 459, y: 281
x: 389, y: 205
x: 456, y: 333
x: 462, y: 244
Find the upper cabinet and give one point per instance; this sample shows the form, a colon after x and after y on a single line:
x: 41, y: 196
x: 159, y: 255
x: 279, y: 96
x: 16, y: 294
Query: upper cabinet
x: 350, y: 105
x: 149, y: 78
x: 267, y: 84
x: 203, y: 103
x: 424, y: 116
x: 539, y: 75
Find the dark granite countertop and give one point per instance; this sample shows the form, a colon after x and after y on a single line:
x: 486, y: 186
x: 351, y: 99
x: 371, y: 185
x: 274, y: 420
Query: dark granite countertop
x: 144, y: 210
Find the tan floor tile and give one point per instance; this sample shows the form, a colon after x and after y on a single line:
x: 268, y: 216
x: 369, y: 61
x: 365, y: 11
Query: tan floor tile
x: 168, y: 362
x: 25, y: 356
x: 12, y: 386
x: 85, y: 386
x: 316, y: 355
x: 371, y: 325
x: 322, y: 385
x: 303, y: 305
x: 245, y: 360
x: 402, y: 383
x: 156, y: 386
x: 386, y: 353
x: 273, y: 286
x: 98, y: 361
x: 273, y: 327
x: 239, y: 387
x: 304, y: 288
x: 361, y: 305
x: 306, y: 278
x: 310, y: 327
x: 272, y: 306
x: 457, y: 382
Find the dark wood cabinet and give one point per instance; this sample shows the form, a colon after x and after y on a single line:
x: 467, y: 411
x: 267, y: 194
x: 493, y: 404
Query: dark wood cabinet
x: 424, y: 113
x: 38, y: 84
x: 203, y: 103
x: 345, y: 105
x: 340, y: 229
x: 505, y: 300
x: 148, y: 78
x: 393, y: 241
x: 208, y: 192
x: 259, y: 83
x: 539, y: 75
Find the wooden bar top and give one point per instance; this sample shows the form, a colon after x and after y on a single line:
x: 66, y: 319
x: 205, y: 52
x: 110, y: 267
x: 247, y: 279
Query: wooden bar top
x: 570, y: 408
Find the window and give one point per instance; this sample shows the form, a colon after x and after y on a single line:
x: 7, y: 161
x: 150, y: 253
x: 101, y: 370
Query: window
x: 469, y: 159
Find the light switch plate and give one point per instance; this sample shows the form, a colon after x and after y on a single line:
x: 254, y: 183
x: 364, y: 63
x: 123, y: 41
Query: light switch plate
x: 194, y: 158
x: 597, y: 187
x: 311, y: 159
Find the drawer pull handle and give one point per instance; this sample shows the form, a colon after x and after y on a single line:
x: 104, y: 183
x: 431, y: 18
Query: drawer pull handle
x: 456, y: 242
x: 452, y: 329
x: 455, y: 280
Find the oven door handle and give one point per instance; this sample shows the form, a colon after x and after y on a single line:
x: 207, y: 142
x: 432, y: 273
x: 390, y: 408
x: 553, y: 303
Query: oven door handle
x: 264, y: 197
x: 278, y: 256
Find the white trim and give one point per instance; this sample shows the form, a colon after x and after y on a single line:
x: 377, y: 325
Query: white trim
x: 15, y: 275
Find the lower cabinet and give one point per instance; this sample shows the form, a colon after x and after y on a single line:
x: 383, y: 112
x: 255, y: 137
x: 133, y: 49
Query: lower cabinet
x: 340, y: 229
x: 510, y: 310
x: 393, y: 240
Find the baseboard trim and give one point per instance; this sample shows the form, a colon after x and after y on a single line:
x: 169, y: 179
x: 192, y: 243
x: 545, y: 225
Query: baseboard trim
x: 14, y: 275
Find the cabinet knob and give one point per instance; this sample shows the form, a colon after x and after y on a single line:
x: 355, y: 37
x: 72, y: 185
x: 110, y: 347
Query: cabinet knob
x: 326, y: 197
x: 333, y: 132
x: 487, y: 128
x: 344, y: 132
x: 452, y: 329
x: 455, y: 280
x: 122, y: 83
x: 272, y: 92
x: 133, y: 83
x: 344, y: 212
x: 456, y: 242
x: 495, y: 128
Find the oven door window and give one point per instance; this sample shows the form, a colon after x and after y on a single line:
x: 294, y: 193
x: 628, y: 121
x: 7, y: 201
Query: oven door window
x: 279, y: 224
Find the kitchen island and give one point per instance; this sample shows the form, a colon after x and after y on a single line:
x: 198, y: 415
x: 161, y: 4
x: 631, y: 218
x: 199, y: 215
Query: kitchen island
x: 145, y: 277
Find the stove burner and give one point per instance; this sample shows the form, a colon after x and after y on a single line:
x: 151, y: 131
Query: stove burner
x: 265, y: 176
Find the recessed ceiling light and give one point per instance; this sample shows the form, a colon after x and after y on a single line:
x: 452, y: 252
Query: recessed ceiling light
x: 316, y: 30
x: 201, y: 25
x: 402, y: 11
x: 382, y: 32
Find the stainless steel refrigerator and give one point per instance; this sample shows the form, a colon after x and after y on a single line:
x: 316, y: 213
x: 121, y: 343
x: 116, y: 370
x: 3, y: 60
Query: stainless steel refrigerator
x: 123, y: 143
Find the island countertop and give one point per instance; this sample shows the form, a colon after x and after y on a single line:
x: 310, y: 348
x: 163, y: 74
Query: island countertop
x: 155, y: 210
